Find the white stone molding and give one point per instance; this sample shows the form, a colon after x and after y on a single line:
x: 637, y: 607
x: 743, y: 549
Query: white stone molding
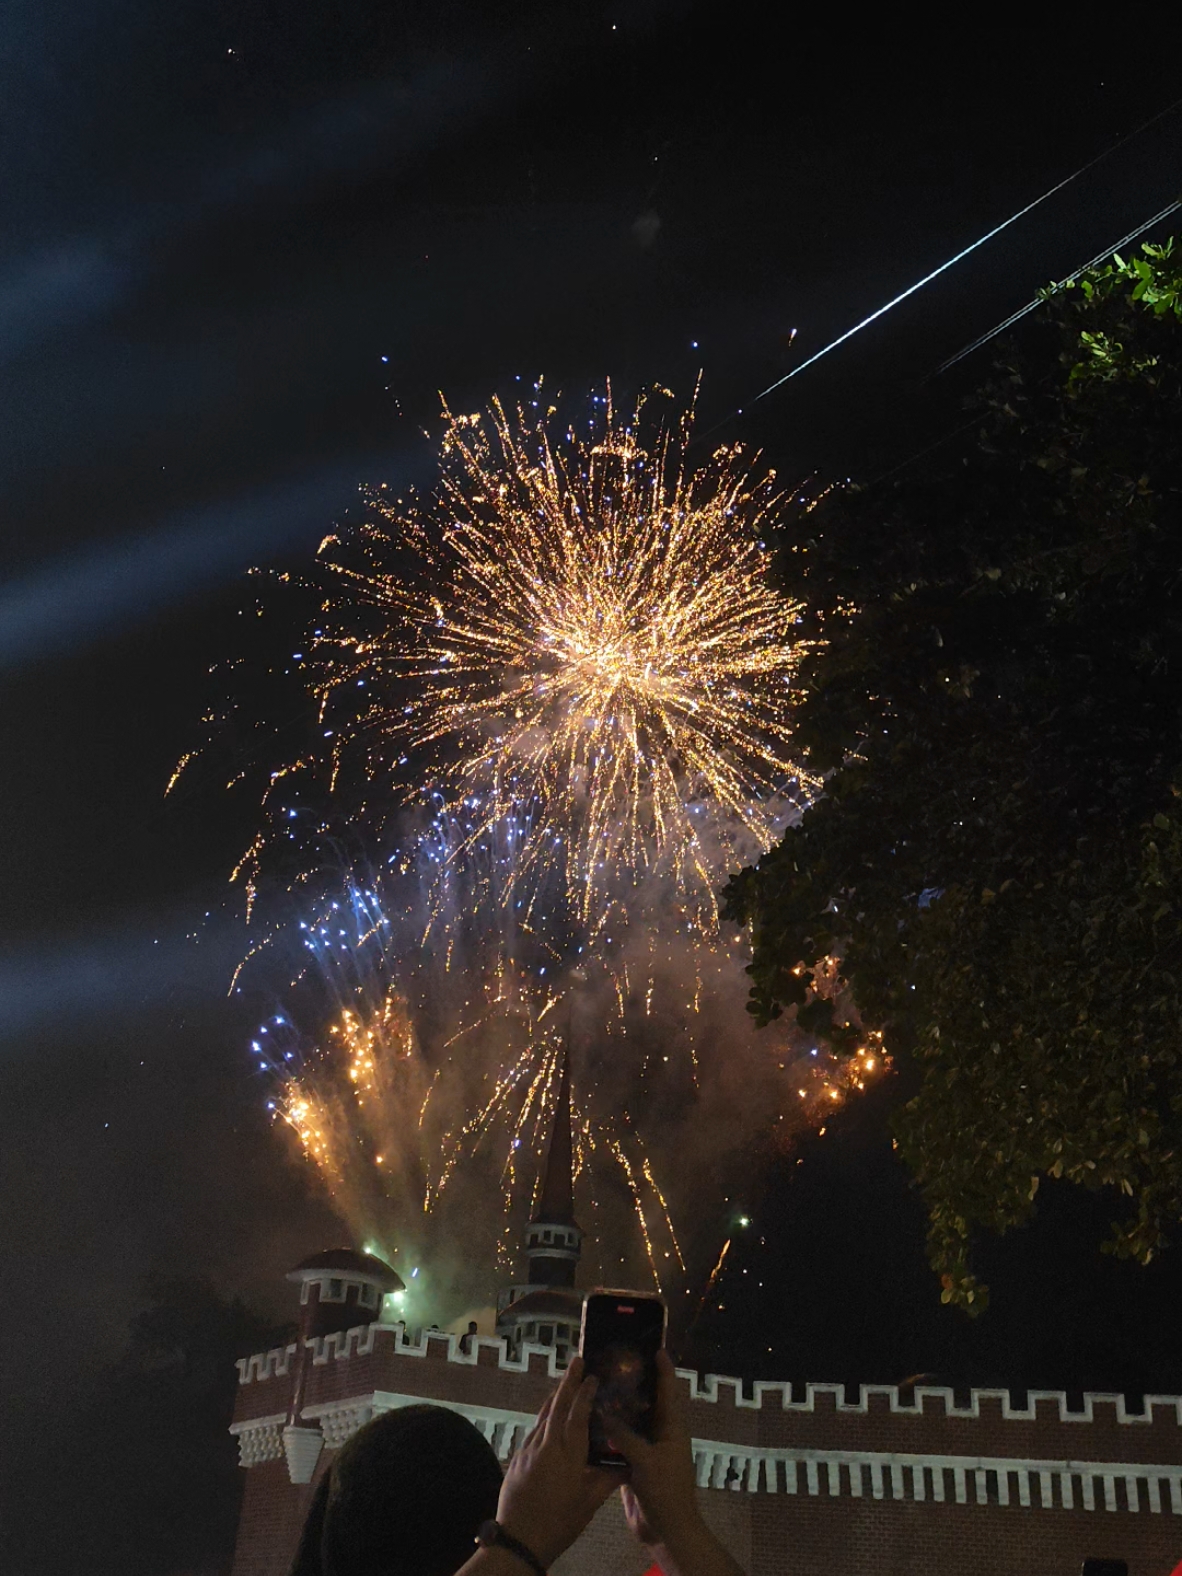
x: 720, y: 1464
x: 340, y: 1420
x: 706, y: 1387
x: 302, y: 1447
x: 961, y: 1479
x: 359, y: 1339
x: 503, y: 1429
x: 259, y: 1439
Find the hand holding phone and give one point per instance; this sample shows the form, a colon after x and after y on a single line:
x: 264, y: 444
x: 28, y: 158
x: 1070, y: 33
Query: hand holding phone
x: 660, y: 1497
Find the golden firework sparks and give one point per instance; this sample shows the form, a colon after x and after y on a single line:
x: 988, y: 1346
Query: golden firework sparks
x: 580, y: 646
x: 350, y: 1105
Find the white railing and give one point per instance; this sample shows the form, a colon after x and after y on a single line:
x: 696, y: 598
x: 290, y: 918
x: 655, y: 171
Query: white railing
x: 981, y: 1480
x: 960, y: 1479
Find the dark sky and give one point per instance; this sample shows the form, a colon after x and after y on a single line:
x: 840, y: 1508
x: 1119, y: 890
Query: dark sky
x: 243, y: 245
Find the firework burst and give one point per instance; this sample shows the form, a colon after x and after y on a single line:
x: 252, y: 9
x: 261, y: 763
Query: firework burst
x: 578, y: 646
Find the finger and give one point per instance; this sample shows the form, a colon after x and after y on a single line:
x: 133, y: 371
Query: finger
x: 621, y: 1438
x: 539, y: 1423
x: 544, y: 1411
x: 601, y: 1484
x: 580, y: 1413
x: 634, y: 1515
x: 562, y: 1399
x: 629, y: 1501
x: 669, y: 1414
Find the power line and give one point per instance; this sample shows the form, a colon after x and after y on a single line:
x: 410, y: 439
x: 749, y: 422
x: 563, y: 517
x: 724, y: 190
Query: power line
x: 988, y: 236
x: 1094, y: 262
x: 1008, y: 322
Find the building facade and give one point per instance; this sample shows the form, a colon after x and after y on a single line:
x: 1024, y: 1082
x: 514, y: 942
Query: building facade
x: 807, y: 1480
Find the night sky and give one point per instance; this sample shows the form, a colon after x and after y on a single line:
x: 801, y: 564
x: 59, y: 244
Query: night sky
x: 243, y: 247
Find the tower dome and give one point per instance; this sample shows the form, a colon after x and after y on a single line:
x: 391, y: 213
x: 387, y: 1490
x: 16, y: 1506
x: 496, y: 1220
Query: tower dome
x: 341, y: 1288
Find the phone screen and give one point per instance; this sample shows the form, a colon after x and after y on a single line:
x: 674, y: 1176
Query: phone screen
x: 622, y: 1333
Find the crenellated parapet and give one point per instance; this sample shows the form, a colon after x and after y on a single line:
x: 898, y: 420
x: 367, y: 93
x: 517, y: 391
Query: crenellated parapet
x: 916, y: 1444
x: 721, y: 1390
x: 266, y: 1365
x: 929, y: 1400
x: 793, y: 1477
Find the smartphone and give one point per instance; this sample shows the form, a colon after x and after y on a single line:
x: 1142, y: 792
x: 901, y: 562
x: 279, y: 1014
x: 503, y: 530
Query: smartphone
x: 622, y: 1333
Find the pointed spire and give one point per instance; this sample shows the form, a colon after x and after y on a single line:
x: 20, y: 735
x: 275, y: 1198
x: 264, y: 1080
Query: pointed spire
x: 556, y: 1206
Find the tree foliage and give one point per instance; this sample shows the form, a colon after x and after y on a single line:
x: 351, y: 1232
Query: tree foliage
x: 997, y: 854
x: 144, y: 1481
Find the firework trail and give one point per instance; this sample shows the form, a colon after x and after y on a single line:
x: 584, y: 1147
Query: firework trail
x: 979, y: 242
x: 1061, y: 284
x: 355, y: 1091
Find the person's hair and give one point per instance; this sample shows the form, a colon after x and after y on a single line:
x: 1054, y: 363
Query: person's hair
x: 405, y: 1497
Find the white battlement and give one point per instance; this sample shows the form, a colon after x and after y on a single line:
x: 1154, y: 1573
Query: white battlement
x: 711, y: 1388
x: 265, y: 1365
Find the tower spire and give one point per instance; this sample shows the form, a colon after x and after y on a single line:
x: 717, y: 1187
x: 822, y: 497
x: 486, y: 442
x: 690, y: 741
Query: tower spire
x: 556, y: 1203
x: 546, y: 1309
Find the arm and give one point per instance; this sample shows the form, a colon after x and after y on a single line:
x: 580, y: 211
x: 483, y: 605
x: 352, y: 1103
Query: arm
x: 661, y: 1499
x: 692, y: 1551
x: 549, y: 1493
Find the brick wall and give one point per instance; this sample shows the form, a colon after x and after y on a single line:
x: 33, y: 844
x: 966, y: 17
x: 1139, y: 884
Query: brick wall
x: 272, y: 1517
x: 815, y: 1537
x: 806, y: 1536
x: 800, y: 1536
x: 607, y: 1548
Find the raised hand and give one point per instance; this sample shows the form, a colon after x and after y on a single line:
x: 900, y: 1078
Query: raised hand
x: 660, y: 1497
x: 550, y: 1493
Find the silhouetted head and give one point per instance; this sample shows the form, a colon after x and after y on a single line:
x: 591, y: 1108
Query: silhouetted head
x: 405, y: 1497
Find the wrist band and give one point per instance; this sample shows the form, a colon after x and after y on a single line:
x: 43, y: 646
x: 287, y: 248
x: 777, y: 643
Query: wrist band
x: 492, y: 1535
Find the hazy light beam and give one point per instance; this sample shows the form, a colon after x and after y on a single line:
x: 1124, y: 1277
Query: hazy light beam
x: 73, y: 600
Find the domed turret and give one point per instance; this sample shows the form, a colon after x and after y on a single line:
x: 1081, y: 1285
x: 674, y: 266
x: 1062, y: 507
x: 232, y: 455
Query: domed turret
x: 341, y: 1288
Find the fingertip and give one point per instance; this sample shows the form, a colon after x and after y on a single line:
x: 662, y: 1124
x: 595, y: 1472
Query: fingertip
x: 620, y: 1437
x: 573, y: 1375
